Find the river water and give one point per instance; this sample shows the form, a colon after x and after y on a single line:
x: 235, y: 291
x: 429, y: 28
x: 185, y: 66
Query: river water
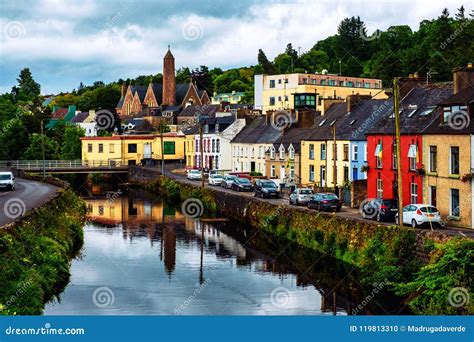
x: 141, y: 256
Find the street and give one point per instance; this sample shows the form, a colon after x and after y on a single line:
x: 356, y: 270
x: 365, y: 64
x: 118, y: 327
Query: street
x: 27, y: 195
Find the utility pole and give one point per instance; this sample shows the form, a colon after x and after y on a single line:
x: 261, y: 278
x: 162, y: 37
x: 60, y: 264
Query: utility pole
x: 201, y: 151
x: 162, y: 149
x: 43, y: 150
x: 396, y: 102
x: 334, y: 152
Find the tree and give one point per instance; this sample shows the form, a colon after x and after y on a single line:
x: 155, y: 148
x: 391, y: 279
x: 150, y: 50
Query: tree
x: 71, y: 146
x: 183, y: 75
x: 14, y: 140
x: 263, y: 61
x: 35, y: 150
x: 27, y: 89
x: 203, y: 79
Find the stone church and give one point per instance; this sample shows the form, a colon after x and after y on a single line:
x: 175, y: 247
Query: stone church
x: 166, y: 99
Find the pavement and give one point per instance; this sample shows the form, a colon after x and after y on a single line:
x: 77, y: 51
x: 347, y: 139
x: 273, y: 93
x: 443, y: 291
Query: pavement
x: 26, y: 196
x: 346, y: 212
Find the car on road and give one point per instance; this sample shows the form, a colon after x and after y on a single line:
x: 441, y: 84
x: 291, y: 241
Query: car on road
x: 242, y: 184
x: 325, y: 201
x: 7, y: 181
x: 228, y: 181
x: 300, y: 196
x: 420, y: 214
x: 194, y: 175
x: 380, y: 209
x: 215, y: 179
x: 266, y: 188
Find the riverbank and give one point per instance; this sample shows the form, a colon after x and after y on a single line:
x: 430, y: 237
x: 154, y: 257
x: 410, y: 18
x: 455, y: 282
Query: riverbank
x: 35, y: 253
x: 424, y: 266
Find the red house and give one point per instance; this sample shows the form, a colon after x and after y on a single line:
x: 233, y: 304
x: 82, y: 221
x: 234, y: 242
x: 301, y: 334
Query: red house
x: 417, y: 104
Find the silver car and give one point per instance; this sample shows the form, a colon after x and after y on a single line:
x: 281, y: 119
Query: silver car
x: 300, y: 196
x: 228, y: 181
x: 194, y: 175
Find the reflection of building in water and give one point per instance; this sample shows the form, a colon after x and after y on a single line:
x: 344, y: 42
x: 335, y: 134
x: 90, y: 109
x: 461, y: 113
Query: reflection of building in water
x: 169, y: 248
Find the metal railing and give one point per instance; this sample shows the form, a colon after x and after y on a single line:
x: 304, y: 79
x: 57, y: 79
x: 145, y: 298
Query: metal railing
x: 59, y: 164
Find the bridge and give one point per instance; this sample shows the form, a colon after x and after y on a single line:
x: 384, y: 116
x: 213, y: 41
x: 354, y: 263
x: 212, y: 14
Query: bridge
x: 65, y: 166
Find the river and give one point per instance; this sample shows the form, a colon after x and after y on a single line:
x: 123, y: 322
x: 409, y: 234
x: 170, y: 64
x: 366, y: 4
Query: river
x: 141, y: 256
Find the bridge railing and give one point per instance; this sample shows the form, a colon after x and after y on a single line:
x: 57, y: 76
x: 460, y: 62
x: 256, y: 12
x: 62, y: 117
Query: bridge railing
x: 58, y: 164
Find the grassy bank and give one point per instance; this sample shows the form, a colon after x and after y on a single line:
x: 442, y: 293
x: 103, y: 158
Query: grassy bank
x: 35, y: 254
x: 424, y: 267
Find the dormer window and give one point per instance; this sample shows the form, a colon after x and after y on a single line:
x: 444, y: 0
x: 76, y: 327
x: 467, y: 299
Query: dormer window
x: 453, y: 110
x: 291, y: 152
x: 272, y: 152
x: 428, y: 111
x: 282, y: 152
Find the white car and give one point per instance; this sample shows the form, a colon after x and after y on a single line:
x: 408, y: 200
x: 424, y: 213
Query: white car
x: 418, y: 214
x: 7, y: 181
x: 215, y: 179
x: 194, y: 175
x: 300, y: 196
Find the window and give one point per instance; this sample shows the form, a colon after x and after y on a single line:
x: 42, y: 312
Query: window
x: 323, y: 152
x: 454, y: 167
x: 394, y: 156
x: 282, y: 152
x: 355, y: 152
x: 279, y: 81
x: 311, y: 173
x: 311, y: 151
x: 352, y: 122
x: 89, y: 148
x: 412, y: 156
x: 132, y: 148
x: 455, y: 208
x: 414, y: 193
x: 378, y: 155
x: 322, y: 122
x: 168, y: 147
x: 433, y: 158
x: 305, y: 100
x: 272, y: 101
x: 292, y: 172
x: 111, y: 148
x: 345, y: 152
x: 323, y: 82
x: 272, y: 152
x: 218, y: 146
x: 428, y: 111
x: 305, y: 81
x: 272, y: 171
x: 101, y: 148
x: 346, y: 174
x: 291, y: 152
x: 272, y: 83
x: 213, y: 145
x: 379, y: 188
x: 279, y: 98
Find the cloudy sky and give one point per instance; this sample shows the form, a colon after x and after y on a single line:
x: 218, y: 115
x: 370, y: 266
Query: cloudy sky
x: 66, y: 42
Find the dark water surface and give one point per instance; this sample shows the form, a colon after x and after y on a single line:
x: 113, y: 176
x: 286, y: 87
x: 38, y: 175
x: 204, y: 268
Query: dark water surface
x: 143, y: 257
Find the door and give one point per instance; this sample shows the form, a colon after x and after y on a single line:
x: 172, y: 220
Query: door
x: 354, y: 173
x: 322, y: 175
x: 433, y: 196
x: 147, y: 151
x: 282, y: 172
x: 252, y: 166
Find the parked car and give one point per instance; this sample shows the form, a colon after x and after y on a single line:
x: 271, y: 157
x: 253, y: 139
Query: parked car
x: 242, y: 184
x: 228, y: 181
x: 266, y: 188
x: 300, y: 196
x: 194, y: 175
x: 325, y: 201
x: 419, y: 214
x: 215, y: 179
x: 7, y: 181
x: 380, y: 209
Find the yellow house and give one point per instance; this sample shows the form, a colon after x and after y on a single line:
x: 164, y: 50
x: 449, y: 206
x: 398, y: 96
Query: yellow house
x: 296, y: 91
x: 189, y: 150
x: 131, y: 149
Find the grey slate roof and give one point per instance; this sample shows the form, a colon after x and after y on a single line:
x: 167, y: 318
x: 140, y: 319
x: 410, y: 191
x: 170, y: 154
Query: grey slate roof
x: 412, y: 120
x: 257, y: 132
x: 80, y: 117
x: 194, y: 110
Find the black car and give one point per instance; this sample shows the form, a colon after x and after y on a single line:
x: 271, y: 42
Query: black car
x: 325, y: 201
x: 242, y: 184
x: 380, y: 209
x: 266, y: 188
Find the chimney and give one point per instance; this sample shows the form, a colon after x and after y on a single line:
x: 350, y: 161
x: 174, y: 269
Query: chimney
x: 406, y: 84
x: 124, y: 89
x: 463, y: 78
x: 268, y: 117
x: 169, y: 79
x: 353, y: 100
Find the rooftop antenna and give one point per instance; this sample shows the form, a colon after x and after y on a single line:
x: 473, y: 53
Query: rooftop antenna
x: 428, y: 75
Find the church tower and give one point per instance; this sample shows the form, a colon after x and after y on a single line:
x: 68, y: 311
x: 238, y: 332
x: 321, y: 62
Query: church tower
x: 169, y: 80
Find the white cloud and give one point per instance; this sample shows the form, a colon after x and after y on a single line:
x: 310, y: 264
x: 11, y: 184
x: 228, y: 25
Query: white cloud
x: 81, y: 32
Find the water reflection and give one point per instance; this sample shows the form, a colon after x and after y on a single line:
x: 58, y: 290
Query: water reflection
x: 156, y: 261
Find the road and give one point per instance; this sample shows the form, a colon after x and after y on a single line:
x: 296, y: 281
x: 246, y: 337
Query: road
x: 347, y: 212
x: 27, y: 195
